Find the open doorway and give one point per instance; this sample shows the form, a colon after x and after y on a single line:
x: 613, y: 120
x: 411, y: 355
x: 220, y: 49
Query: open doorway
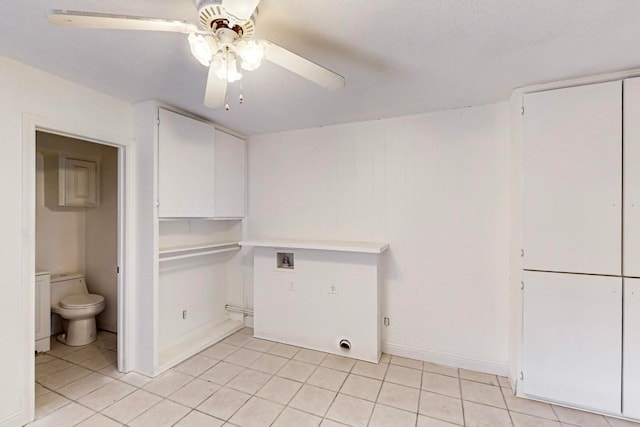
x: 78, y: 233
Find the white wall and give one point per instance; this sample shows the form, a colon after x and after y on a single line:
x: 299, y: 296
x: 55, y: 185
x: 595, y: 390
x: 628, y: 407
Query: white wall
x: 434, y: 186
x: 62, y: 104
x: 102, y: 241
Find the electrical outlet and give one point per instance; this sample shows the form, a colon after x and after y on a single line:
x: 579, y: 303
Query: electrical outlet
x: 333, y: 289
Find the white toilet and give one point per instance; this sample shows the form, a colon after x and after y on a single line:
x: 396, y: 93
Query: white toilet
x: 71, y: 300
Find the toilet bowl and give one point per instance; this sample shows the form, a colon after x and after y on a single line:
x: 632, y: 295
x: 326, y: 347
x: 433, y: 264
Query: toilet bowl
x: 71, y: 300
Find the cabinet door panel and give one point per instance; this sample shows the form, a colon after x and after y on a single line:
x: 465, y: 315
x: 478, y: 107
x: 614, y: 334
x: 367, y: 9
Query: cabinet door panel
x: 631, y: 349
x: 186, y: 175
x: 631, y: 187
x: 230, y: 176
x: 572, y: 179
x: 572, y: 339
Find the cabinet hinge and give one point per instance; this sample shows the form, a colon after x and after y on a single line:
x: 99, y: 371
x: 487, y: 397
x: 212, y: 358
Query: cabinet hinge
x: 118, y: 270
x: 522, y: 285
x: 521, y: 375
x: 521, y: 253
x: 522, y: 110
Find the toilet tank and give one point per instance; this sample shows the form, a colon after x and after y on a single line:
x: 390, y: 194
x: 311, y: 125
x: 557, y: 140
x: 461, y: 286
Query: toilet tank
x: 63, y: 285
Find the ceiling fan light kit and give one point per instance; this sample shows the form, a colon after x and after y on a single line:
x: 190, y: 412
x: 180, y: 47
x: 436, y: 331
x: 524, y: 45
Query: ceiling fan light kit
x: 223, y: 40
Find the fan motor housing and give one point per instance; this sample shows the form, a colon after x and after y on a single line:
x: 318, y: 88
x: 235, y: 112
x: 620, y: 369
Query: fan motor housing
x: 212, y: 18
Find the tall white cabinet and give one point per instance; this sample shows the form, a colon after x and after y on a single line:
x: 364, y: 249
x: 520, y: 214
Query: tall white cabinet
x: 581, y: 247
x: 188, y: 211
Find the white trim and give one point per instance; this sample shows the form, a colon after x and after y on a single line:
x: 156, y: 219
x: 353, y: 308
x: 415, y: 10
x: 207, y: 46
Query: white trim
x: 31, y: 124
x: 464, y: 362
x: 12, y: 420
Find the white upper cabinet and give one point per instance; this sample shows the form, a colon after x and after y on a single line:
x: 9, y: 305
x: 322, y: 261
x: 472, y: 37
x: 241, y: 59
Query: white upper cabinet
x: 631, y: 209
x: 71, y: 181
x: 631, y: 349
x: 230, y: 178
x: 572, y: 163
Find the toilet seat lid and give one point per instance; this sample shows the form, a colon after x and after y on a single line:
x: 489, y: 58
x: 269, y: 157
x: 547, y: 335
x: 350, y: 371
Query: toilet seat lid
x: 81, y: 300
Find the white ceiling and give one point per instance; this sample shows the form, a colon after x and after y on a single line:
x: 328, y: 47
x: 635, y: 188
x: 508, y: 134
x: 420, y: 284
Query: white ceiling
x: 398, y: 57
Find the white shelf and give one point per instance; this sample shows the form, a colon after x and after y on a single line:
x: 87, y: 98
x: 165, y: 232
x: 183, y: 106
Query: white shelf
x: 176, y: 253
x: 322, y: 245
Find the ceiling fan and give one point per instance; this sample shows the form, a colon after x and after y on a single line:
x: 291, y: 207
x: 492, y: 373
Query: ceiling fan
x: 222, y: 42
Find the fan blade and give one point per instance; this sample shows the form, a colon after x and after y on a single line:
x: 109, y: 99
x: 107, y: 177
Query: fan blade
x: 301, y: 66
x: 77, y: 19
x: 216, y: 90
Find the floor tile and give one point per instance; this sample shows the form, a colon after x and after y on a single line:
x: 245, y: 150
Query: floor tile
x: 99, y: 420
x: 43, y: 358
x: 39, y: 390
x: 260, y: 345
x: 524, y: 420
x: 579, y: 418
x: 404, y: 376
x: 195, y: 365
x: 362, y: 387
x: 527, y: 406
x: 478, y: 415
x: 99, y: 361
x: 442, y: 384
x: 131, y: 406
x: 83, y: 354
x: 136, y: 379
x: 106, y: 340
x: 69, y: 415
x: 168, y: 383
x: 164, y: 414
x: 479, y: 377
x: 269, y: 363
x: 284, y: 350
x: 279, y: 390
x: 616, y: 422
x: 482, y: 393
x: 350, y: 410
x: 64, y: 377
x: 504, y: 382
x: 432, y: 422
x: 371, y: 370
x: 256, y: 413
x: 198, y: 419
x: 219, y: 351
x: 407, y: 363
x: 293, y: 418
x: 399, y: 396
x: 249, y: 381
x: 310, y: 356
x: 385, y: 358
x: 112, y: 371
x: 330, y: 423
x: 440, y: 369
x: 224, y: 403
x: 84, y: 385
x: 221, y: 373
x: 385, y: 416
x: 441, y: 407
x: 243, y: 357
x: 194, y: 393
x: 339, y: 363
x: 107, y: 395
x: 238, y: 339
x: 296, y: 370
x: 47, y: 403
x: 327, y: 378
x: 51, y: 367
x: 313, y: 399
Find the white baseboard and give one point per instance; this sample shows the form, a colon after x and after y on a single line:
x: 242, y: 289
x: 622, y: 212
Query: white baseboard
x: 13, y: 420
x: 464, y: 362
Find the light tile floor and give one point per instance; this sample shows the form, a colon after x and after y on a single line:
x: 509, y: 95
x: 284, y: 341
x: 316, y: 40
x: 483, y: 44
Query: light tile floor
x: 244, y: 381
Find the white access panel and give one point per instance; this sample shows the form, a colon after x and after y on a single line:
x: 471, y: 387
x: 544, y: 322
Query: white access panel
x: 631, y: 209
x: 572, y: 177
x: 631, y: 349
x: 230, y: 176
x: 572, y: 339
x: 186, y: 175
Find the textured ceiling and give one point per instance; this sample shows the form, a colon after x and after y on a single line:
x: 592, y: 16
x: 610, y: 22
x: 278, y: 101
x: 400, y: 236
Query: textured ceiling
x: 398, y: 57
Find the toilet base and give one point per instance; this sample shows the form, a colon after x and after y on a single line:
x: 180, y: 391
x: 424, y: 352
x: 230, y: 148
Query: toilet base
x: 79, y: 332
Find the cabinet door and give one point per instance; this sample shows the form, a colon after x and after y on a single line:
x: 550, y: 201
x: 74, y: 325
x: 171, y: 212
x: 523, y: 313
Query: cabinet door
x: 186, y: 175
x: 230, y: 176
x: 631, y: 349
x: 80, y: 180
x: 631, y: 241
x: 573, y: 179
x: 572, y: 339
